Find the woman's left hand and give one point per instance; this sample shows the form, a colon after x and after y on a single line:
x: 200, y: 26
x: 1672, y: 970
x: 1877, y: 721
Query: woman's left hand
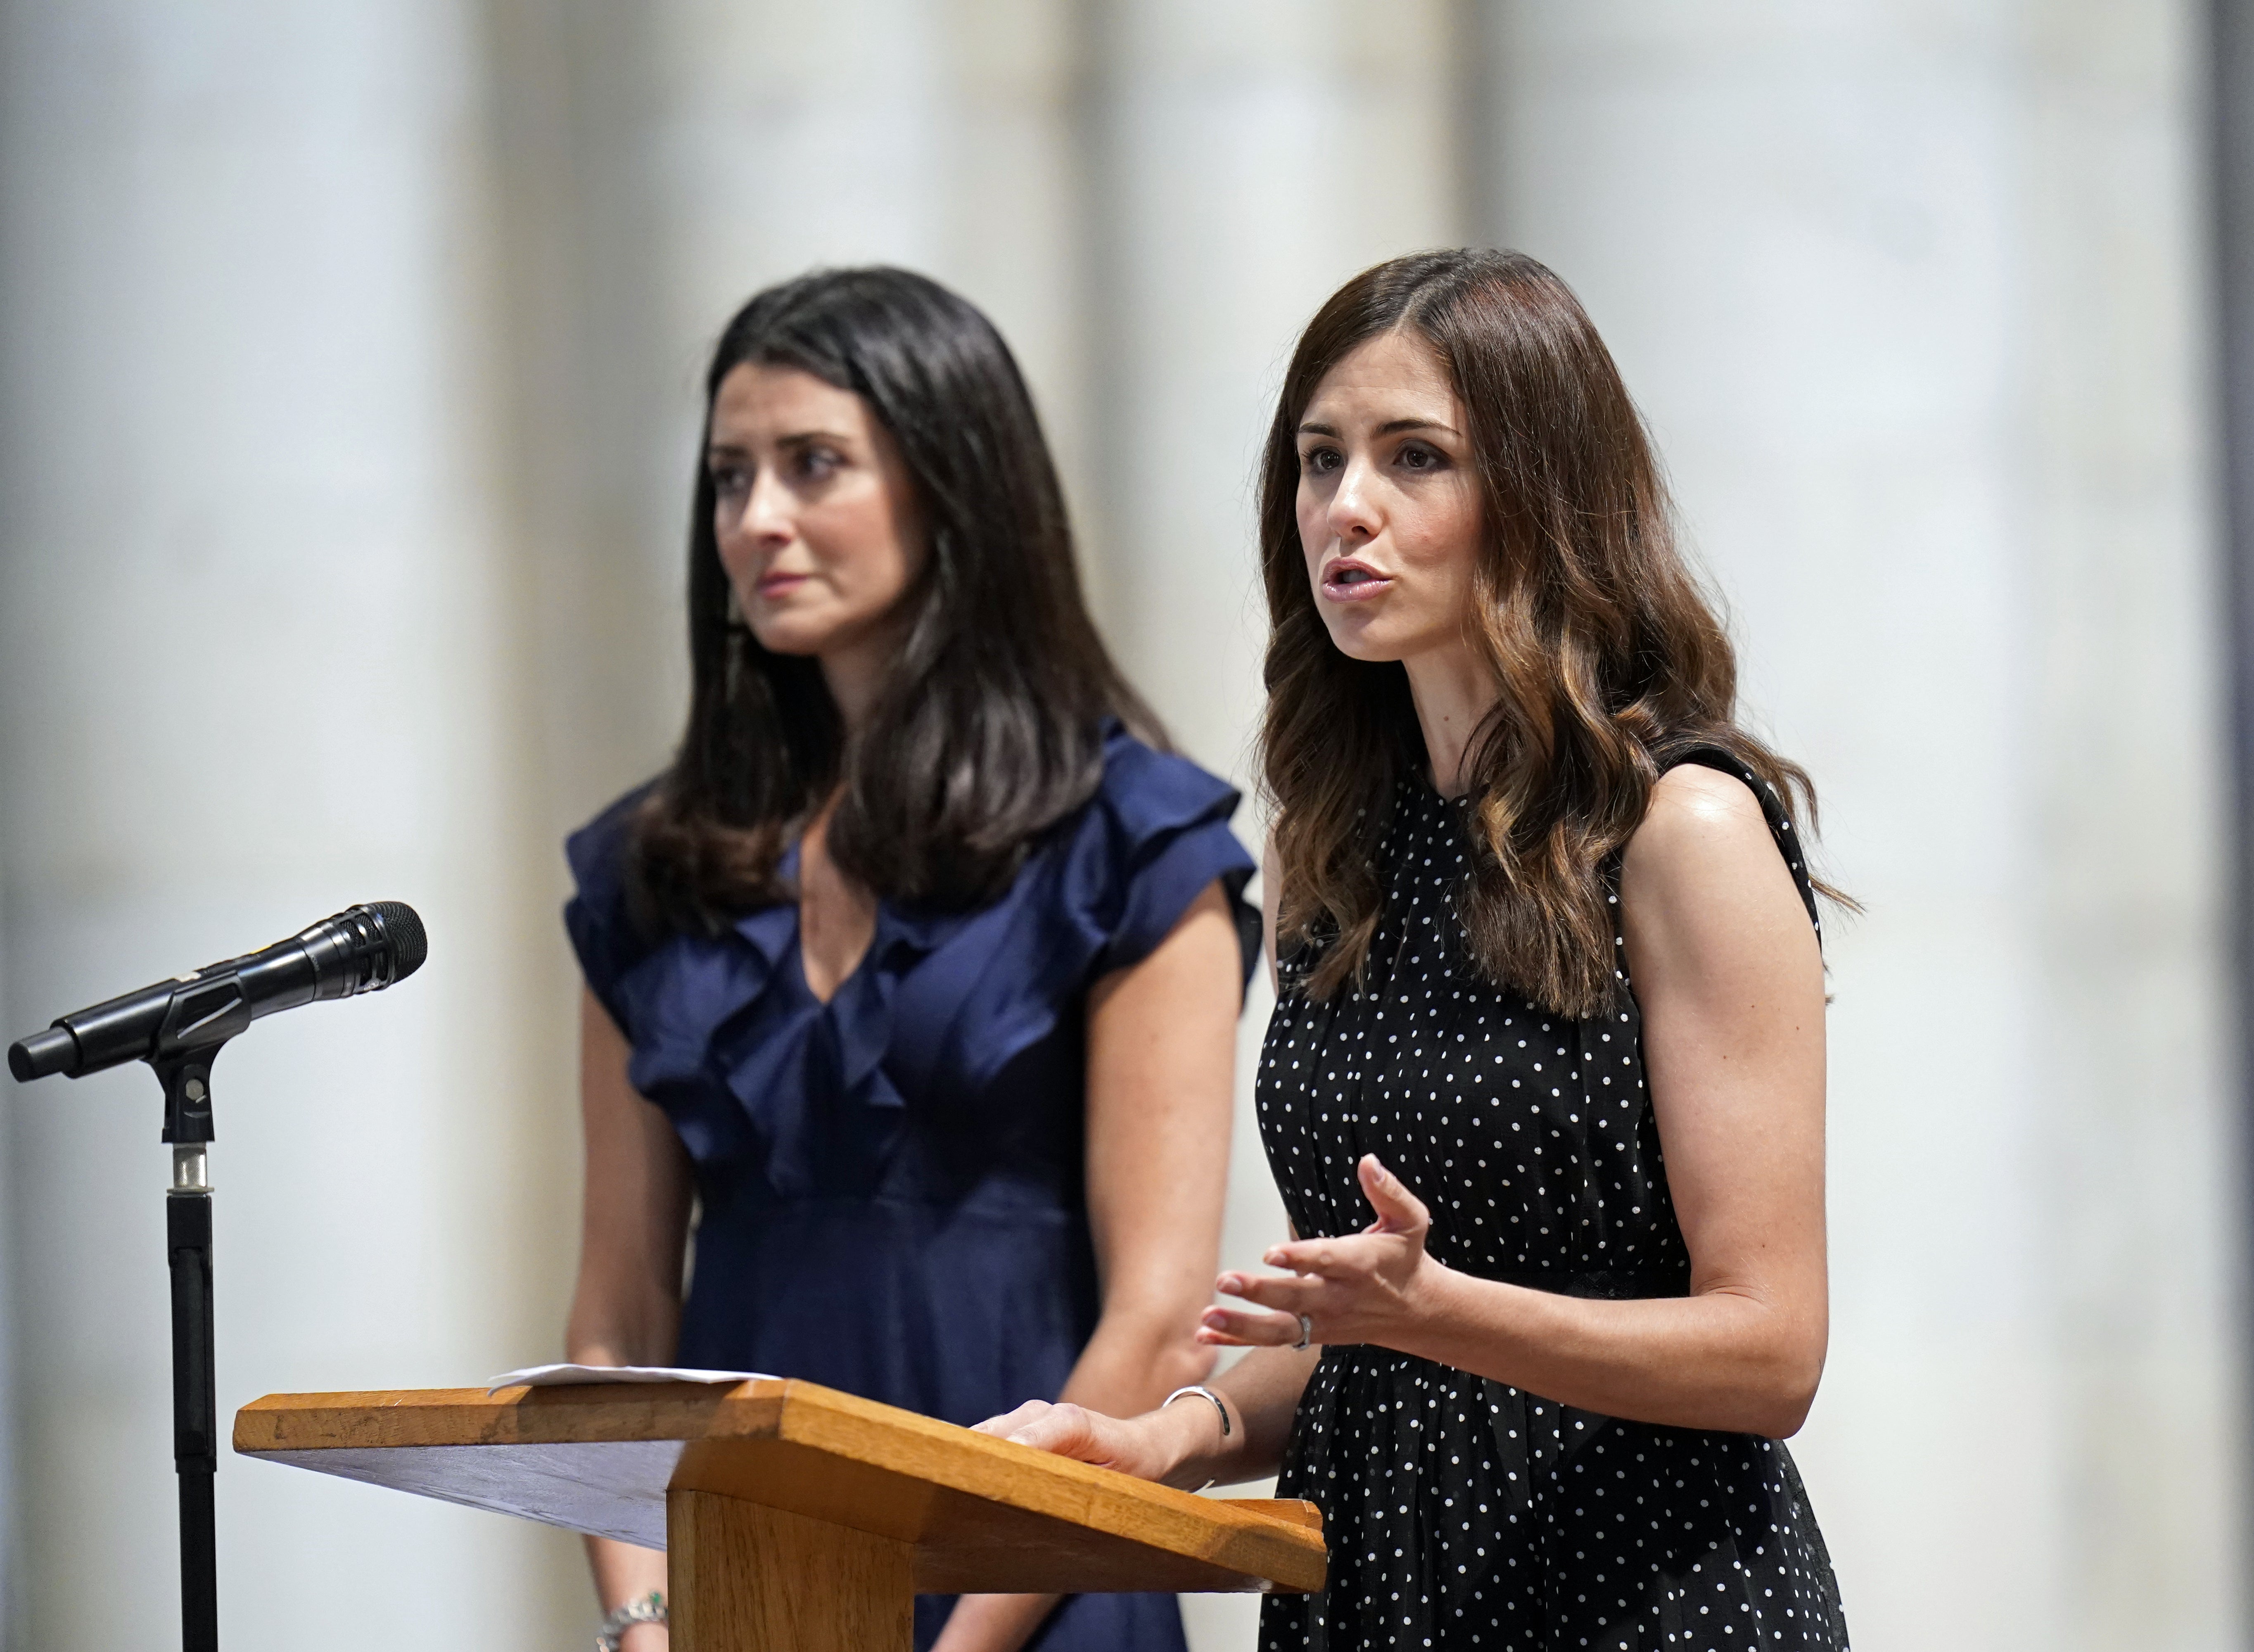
x: 1368, y: 1287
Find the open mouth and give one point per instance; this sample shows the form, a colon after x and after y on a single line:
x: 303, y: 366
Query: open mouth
x: 1349, y: 581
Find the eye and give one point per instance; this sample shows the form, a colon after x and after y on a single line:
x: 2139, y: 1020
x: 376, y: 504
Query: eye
x: 1416, y: 455
x: 815, y: 463
x: 1319, y: 461
x: 731, y: 481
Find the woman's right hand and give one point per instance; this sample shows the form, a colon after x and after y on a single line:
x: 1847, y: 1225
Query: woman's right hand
x: 1155, y: 1445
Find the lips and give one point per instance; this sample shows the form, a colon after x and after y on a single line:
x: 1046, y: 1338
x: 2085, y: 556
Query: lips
x: 1348, y: 580
x: 772, y: 587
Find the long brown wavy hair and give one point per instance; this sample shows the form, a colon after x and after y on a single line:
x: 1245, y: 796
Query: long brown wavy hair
x: 1612, y: 662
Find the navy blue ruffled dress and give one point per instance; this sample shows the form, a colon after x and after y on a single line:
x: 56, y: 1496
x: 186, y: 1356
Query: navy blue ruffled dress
x: 891, y: 1187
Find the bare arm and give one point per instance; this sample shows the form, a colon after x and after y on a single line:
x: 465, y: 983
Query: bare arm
x: 1184, y: 1445
x: 1262, y: 1390
x: 1161, y: 1071
x: 1729, y: 981
x: 635, y: 1231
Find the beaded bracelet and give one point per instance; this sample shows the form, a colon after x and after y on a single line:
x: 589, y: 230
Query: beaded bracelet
x: 649, y: 1609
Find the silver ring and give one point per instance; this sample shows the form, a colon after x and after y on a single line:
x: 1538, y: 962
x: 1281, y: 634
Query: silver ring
x: 1306, y: 1332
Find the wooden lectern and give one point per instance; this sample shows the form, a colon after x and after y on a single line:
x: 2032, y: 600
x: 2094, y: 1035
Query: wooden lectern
x: 797, y: 1519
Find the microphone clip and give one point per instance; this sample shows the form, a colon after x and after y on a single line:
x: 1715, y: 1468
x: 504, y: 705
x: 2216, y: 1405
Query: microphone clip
x: 198, y: 1022
x: 186, y: 1078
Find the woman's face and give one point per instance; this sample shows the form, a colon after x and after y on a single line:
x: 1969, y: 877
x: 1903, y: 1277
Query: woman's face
x: 1389, y: 507
x: 814, y: 511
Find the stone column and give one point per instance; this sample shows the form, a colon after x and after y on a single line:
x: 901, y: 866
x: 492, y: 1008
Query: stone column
x: 257, y: 655
x: 1914, y: 300
x: 1246, y: 162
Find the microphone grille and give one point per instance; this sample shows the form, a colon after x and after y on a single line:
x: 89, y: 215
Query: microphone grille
x: 404, y: 929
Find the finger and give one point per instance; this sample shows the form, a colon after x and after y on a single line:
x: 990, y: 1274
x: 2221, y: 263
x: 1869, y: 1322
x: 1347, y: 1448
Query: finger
x: 1065, y: 1431
x: 1314, y: 1257
x: 1236, y: 1327
x: 1293, y: 1293
x: 1398, y: 1210
x: 1010, y: 1422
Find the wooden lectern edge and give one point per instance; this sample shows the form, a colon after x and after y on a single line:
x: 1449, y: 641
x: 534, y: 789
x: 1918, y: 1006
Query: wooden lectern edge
x: 591, y: 1411
x: 1293, y: 1511
x: 979, y: 1465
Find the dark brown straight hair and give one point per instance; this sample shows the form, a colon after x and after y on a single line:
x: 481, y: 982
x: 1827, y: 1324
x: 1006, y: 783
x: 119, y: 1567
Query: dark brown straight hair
x: 1612, y: 662
x: 990, y: 725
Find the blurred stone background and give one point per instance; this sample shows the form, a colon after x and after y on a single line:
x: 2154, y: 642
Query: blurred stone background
x: 348, y: 362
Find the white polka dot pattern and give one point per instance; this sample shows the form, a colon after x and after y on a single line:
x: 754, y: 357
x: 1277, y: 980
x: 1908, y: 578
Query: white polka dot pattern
x: 1461, y: 1513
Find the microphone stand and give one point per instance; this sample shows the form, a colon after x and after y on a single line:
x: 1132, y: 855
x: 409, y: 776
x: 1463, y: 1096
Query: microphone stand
x: 179, y: 1027
x: 186, y: 1079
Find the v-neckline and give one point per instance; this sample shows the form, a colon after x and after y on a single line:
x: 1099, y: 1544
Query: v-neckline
x: 789, y: 869
x: 798, y: 956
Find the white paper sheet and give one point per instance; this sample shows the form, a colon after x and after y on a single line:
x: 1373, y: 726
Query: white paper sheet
x: 556, y: 1376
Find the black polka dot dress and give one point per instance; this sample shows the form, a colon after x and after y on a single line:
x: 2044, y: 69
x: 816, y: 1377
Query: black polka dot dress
x: 1461, y: 1513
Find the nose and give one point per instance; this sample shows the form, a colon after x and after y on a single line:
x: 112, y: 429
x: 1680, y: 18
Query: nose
x: 765, y: 519
x: 1353, y: 517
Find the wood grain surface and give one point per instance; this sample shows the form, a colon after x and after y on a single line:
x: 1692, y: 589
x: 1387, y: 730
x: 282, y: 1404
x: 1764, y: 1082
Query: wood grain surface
x: 745, y: 1578
x: 975, y: 1513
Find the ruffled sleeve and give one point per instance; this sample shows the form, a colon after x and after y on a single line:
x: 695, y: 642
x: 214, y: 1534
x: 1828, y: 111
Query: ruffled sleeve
x: 603, y: 932
x: 1105, y: 887
x: 1162, y: 825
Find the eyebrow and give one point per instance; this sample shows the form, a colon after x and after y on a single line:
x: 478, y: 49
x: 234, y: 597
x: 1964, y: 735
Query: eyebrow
x: 796, y: 438
x: 1391, y: 427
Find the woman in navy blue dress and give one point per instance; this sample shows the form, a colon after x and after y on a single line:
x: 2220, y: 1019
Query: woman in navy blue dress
x: 918, y: 972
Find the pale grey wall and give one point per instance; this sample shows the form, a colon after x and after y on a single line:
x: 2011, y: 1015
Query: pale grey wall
x: 1914, y: 296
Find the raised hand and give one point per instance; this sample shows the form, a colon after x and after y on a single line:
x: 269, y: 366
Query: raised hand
x: 1368, y: 1287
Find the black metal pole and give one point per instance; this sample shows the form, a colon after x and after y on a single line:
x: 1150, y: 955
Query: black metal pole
x: 195, y: 1402
x: 195, y: 1421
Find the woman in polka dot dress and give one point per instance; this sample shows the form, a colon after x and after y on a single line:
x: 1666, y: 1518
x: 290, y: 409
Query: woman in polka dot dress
x: 1544, y: 1091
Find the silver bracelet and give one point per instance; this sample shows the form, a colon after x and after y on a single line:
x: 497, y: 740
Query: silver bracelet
x: 649, y: 1609
x: 1202, y: 1390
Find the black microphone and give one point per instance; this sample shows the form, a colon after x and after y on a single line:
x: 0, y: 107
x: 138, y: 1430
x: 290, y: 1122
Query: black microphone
x: 363, y: 950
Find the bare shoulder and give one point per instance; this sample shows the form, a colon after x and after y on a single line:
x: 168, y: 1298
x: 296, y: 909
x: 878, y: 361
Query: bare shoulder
x: 1703, y: 867
x: 1695, y: 812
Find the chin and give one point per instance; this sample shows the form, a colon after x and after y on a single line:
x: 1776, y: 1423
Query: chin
x: 798, y: 641
x: 1366, y: 643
